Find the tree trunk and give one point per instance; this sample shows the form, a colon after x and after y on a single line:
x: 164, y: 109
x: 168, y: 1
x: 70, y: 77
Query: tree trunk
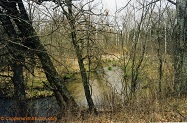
x: 19, y: 89
x: 78, y: 51
x: 180, y: 53
x: 84, y: 75
x: 53, y: 77
x: 30, y: 41
x: 17, y: 66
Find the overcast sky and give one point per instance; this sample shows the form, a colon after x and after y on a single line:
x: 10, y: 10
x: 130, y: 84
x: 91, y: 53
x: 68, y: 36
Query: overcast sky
x: 46, y: 9
x: 112, y: 5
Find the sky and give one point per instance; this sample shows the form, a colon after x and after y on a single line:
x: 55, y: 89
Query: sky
x: 112, y: 5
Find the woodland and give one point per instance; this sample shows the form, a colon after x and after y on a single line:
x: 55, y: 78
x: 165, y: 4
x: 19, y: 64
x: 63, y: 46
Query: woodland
x: 85, y: 63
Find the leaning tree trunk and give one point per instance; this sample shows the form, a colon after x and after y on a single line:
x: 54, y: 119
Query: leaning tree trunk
x: 71, y: 19
x: 30, y: 41
x: 180, y: 49
x: 16, y: 65
x: 34, y: 43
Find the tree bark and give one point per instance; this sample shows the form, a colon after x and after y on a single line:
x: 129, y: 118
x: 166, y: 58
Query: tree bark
x: 71, y: 19
x: 17, y: 66
x: 30, y: 41
x: 19, y: 88
x: 180, y: 52
x: 53, y: 77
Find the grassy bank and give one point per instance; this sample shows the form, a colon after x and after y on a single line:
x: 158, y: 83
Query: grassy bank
x: 139, y: 111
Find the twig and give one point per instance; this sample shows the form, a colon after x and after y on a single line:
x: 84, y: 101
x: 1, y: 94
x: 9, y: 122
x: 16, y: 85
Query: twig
x: 177, y: 111
x: 171, y: 1
x: 174, y: 3
x: 48, y: 86
x: 119, y: 10
x: 5, y: 76
x: 152, y: 2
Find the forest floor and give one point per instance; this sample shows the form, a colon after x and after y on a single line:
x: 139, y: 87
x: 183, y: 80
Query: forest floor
x: 164, y: 110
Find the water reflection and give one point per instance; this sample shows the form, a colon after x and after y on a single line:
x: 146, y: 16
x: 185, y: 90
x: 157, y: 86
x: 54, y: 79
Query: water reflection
x: 100, y: 84
x: 42, y: 107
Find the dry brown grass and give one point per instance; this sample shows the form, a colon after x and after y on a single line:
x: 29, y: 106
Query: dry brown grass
x: 146, y: 107
x: 139, y: 111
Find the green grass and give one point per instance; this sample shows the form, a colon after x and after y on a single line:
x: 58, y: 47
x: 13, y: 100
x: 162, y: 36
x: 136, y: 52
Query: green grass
x: 109, y: 68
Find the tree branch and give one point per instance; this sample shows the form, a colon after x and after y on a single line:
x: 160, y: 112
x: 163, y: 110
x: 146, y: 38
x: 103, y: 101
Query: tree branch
x: 119, y: 10
x: 171, y: 1
x: 7, y: 76
x: 152, y: 2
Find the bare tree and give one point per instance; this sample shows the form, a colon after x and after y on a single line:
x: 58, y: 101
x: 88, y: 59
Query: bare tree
x: 29, y: 41
x: 85, y: 80
x: 180, y: 81
x: 16, y: 64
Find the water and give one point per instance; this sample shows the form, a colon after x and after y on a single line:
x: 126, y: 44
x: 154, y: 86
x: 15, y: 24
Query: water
x: 47, y: 107
x: 43, y: 107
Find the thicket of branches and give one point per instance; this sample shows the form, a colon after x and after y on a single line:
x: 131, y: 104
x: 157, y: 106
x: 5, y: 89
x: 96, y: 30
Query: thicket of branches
x: 148, y: 43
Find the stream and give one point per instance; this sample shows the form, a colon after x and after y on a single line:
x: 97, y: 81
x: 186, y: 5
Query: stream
x: 47, y: 107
